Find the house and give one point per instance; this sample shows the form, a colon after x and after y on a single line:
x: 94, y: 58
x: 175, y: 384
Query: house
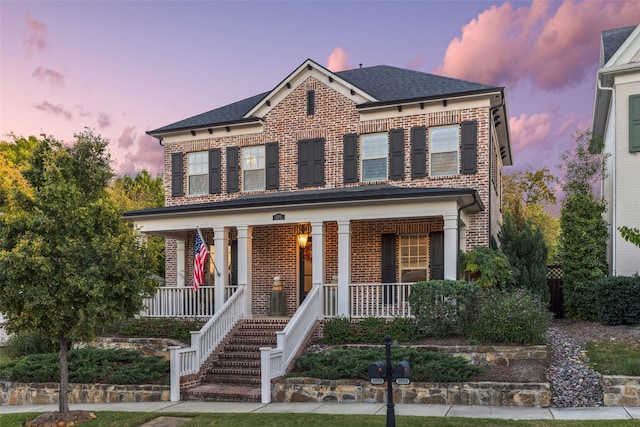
x: 340, y: 188
x: 616, y: 118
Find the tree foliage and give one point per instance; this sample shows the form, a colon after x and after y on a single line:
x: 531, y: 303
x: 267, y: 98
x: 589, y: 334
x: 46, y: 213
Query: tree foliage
x: 14, y: 158
x: 68, y: 263
x: 584, y: 233
x: 630, y: 234
x: 527, y: 196
x: 527, y: 253
x: 488, y: 267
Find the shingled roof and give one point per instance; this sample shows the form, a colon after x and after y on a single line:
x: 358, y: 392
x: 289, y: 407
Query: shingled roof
x: 612, y: 40
x: 385, y: 83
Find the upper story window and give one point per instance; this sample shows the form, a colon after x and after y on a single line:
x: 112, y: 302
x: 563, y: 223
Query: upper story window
x: 374, y: 154
x: 443, y: 146
x: 198, y: 173
x: 253, y: 168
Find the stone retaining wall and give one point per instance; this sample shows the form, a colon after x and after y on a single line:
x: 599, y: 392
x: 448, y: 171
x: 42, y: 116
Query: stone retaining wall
x: 359, y: 391
x: 147, y: 346
x: 12, y: 393
x: 621, y: 390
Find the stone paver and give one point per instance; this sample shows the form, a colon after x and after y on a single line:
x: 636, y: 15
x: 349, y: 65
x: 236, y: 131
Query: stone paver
x: 165, y: 422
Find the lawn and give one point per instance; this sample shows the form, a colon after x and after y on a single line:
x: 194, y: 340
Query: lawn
x: 611, y: 358
x: 133, y: 419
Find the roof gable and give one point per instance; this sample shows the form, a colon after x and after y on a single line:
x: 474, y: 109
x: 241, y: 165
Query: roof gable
x: 619, y: 46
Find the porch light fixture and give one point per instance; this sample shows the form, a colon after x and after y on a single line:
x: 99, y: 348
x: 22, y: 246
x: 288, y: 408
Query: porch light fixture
x: 303, y: 235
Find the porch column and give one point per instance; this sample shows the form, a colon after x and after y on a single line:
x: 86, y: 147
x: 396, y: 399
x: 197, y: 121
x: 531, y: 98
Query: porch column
x: 244, y: 264
x: 180, y: 262
x: 344, y: 266
x: 221, y: 246
x: 450, y: 247
x: 317, y: 260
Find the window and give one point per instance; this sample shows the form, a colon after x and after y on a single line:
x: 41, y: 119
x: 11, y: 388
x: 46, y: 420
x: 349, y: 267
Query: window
x: 414, y: 260
x: 311, y: 163
x: 311, y: 102
x: 198, y: 173
x: 253, y: 170
x: 443, y: 146
x: 374, y: 149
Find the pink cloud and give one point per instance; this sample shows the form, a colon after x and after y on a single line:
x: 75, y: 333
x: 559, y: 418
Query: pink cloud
x: 149, y: 156
x: 104, y: 120
x: 82, y: 112
x: 338, y: 60
x: 36, y: 37
x: 552, y: 48
x: 57, y: 110
x: 416, y: 62
x: 530, y: 131
x: 53, y: 77
x: 126, y: 139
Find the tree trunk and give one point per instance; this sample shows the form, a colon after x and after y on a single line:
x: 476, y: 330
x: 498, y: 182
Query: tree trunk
x: 63, y: 397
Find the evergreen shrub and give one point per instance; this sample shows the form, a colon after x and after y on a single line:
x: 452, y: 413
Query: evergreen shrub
x: 25, y: 343
x: 149, y: 327
x: 514, y: 316
x: 370, y: 330
x: 444, y: 307
x: 618, y: 300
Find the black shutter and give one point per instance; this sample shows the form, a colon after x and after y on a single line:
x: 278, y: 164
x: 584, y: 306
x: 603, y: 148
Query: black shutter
x: 215, y: 173
x: 396, y: 155
x: 177, y: 188
x: 311, y: 102
x: 389, y: 265
x: 232, y: 170
x: 436, y: 255
x: 350, y: 152
x: 418, y: 151
x: 272, y: 172
x: 469, y: 146
x: 304, y: 169
x: 317, y: 178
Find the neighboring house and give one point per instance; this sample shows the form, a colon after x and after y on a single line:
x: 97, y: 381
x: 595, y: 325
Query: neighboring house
x: 616, y: 118
x: 386, y: 173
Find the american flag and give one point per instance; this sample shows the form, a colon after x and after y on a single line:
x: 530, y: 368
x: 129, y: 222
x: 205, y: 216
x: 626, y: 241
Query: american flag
x: 199, y: 259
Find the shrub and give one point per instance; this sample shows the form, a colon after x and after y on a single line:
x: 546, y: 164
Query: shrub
x: 370, y: 330
x: 488, y: 267
x: 26, y: 343
x: 617, y: 300
x: 444, y: 307
x: 337, y: 330
x: 515, y: 317
x: 177, y: 329
x: 89, y: 365
x: 404, y: 329
x: 353, y: 363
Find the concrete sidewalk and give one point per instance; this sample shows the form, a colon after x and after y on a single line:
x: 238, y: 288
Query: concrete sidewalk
x: 500, y: 412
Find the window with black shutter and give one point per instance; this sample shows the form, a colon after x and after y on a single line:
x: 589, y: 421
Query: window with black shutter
x: 469, y: 147
x: 350, y: 152
x: 215, y: 173
x: 396, y: 157
x: 232, y: 170
x: 272, y: 159
x: 418, y: 151
x: 177, y: 188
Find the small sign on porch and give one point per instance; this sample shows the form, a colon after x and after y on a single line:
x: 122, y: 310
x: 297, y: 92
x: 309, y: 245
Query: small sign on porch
x: 278, y: 217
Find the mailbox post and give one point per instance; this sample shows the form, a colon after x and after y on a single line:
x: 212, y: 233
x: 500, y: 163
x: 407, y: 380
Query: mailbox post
x: 380, y: 371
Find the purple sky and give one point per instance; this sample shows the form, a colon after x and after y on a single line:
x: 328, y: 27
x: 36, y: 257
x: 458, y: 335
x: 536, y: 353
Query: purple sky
x: 125, y: 67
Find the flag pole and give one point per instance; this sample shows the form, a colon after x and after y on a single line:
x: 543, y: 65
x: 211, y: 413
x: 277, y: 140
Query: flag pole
x: 215, y: 267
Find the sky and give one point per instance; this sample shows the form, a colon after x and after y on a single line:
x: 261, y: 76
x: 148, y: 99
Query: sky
x: 123, y: 68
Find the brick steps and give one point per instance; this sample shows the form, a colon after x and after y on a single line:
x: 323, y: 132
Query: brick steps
x: 235, y: 375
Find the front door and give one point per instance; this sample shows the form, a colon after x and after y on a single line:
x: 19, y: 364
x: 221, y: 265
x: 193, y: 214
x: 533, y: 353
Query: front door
x: 305, y: 278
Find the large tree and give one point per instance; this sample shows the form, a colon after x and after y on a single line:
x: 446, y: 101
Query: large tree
x: 68, y: 263
x: 583, y: 235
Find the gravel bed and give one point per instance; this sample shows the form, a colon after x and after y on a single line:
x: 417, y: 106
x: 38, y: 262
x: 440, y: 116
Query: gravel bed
x: 573, y: 382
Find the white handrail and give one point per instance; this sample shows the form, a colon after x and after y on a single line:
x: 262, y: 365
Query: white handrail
x: 274, y: 362
x: 188, y: 361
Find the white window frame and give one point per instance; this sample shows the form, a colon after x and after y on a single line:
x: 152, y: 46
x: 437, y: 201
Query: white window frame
x: 198, y: 167
x: 414, y: 254
x: 373, y: 154
x: 253, y: 159
x: 442, y: 142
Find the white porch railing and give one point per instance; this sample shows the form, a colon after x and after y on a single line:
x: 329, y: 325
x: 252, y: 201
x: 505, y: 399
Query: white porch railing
x: 274, y: 361
x: 386, y: 300
x: 181, y: 301
x: 187, y: 361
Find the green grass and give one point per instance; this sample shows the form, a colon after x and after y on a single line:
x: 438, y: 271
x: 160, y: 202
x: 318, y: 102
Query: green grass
x: 133, y: 419
x: 612, y: 358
